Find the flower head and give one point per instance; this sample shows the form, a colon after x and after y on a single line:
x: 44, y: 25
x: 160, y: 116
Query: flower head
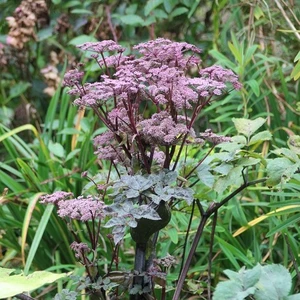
x: 214, y: 138
x: 81, y: 208
x: 55, y: 197
x: 161, y: 129
x: 100, y: 47
x: 79, y: 248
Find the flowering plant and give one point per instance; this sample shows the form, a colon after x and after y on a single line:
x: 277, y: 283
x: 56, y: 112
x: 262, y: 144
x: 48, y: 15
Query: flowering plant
x: 149, y: 102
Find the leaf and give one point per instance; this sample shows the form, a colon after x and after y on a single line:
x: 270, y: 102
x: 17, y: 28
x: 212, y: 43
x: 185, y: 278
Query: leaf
x: 178, y: 11
x: 151, y: 5
x: 275, y: 283
x: 69, y: 130
x: 45, y: 33
x: 280, y: 170
x: 222, y: 59
x: 247, y: 127
x: 132, y: 20
x: 258, y: 12
x: 205, y: 175
x: 81, y: 11
x: 18, y: 89
x: 296, y: 71
x: 11, y: 285
x: 231, y: 290
x: 38, y: 237
x: 263, y: 217
x: 173, y: 234
x: 250, y: 277
x: 57, y: 149
x: 82, y: 39
x: 297, y: 57
x: 288, y: 153
x: 291, y: 221
x: 169, y: 5
x: 260, y: 137
x: 232, y: 178
x: 254, y: 86
x: 294, y: 143
x: 238, y: 55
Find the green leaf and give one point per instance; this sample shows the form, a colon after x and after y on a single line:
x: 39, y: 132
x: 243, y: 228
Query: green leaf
x: 254, y: 86
x: 296, y: 71
x: 178, y: 11
x: 69, y: 131
x: 232, y: 178
x: 205, y: 175
x: 173, y: 234
x: 57, y: 149
x: 18, y: 89
x: 222, y: 59
x: 284, y: 224
x: 133, y: 20
x: 280, y: 170
x: 11, y: 285
x: 149, y: 20
x: 260, y: 137
x: 275, y: 283
x: 231, y: 290
x: 160, y: 14
x: 288, y: 153
x: 169, y: 5
x: 81, y: 11
x: 247, y: 127
x: 258, y: 12
x: 38, y: 236
x: 236, y: 53
x: 294, y: 143
x: 151, y: 5
x: 45, y: 33
x: 297, y: 57
x: 82, y: 39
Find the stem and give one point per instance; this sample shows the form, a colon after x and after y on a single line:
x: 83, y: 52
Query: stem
x: 139, y: 267
x: 211, y: 246
x: 211, y: 210
x: 186, y: 236
x: 200, y: 162
x: 190, y: 257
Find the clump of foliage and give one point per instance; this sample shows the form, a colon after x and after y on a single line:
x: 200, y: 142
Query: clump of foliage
x: 268, y: 282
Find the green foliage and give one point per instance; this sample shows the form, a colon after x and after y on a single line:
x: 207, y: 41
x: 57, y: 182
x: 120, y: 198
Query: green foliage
x: 261, y: 283
x: 11, y: 285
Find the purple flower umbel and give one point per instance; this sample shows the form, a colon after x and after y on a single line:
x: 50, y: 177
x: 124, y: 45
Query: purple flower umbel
x: 81, y: 208
x: 55, y: 197
x: 163, y: 78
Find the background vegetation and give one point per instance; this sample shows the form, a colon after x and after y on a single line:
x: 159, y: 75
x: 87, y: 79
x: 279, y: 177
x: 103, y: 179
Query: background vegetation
x: 45, y: 143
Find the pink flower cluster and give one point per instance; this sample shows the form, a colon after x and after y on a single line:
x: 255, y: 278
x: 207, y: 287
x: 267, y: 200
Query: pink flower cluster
x: 81, y: 208
x: 154, y: 79
x: 161, y: 129
x: 55, y: 197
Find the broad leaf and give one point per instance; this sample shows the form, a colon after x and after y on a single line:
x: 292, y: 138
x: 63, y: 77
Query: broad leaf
x: 275, y: 283
x: 280, y: 170
x: 248, y: 127
x: 11, y: 285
